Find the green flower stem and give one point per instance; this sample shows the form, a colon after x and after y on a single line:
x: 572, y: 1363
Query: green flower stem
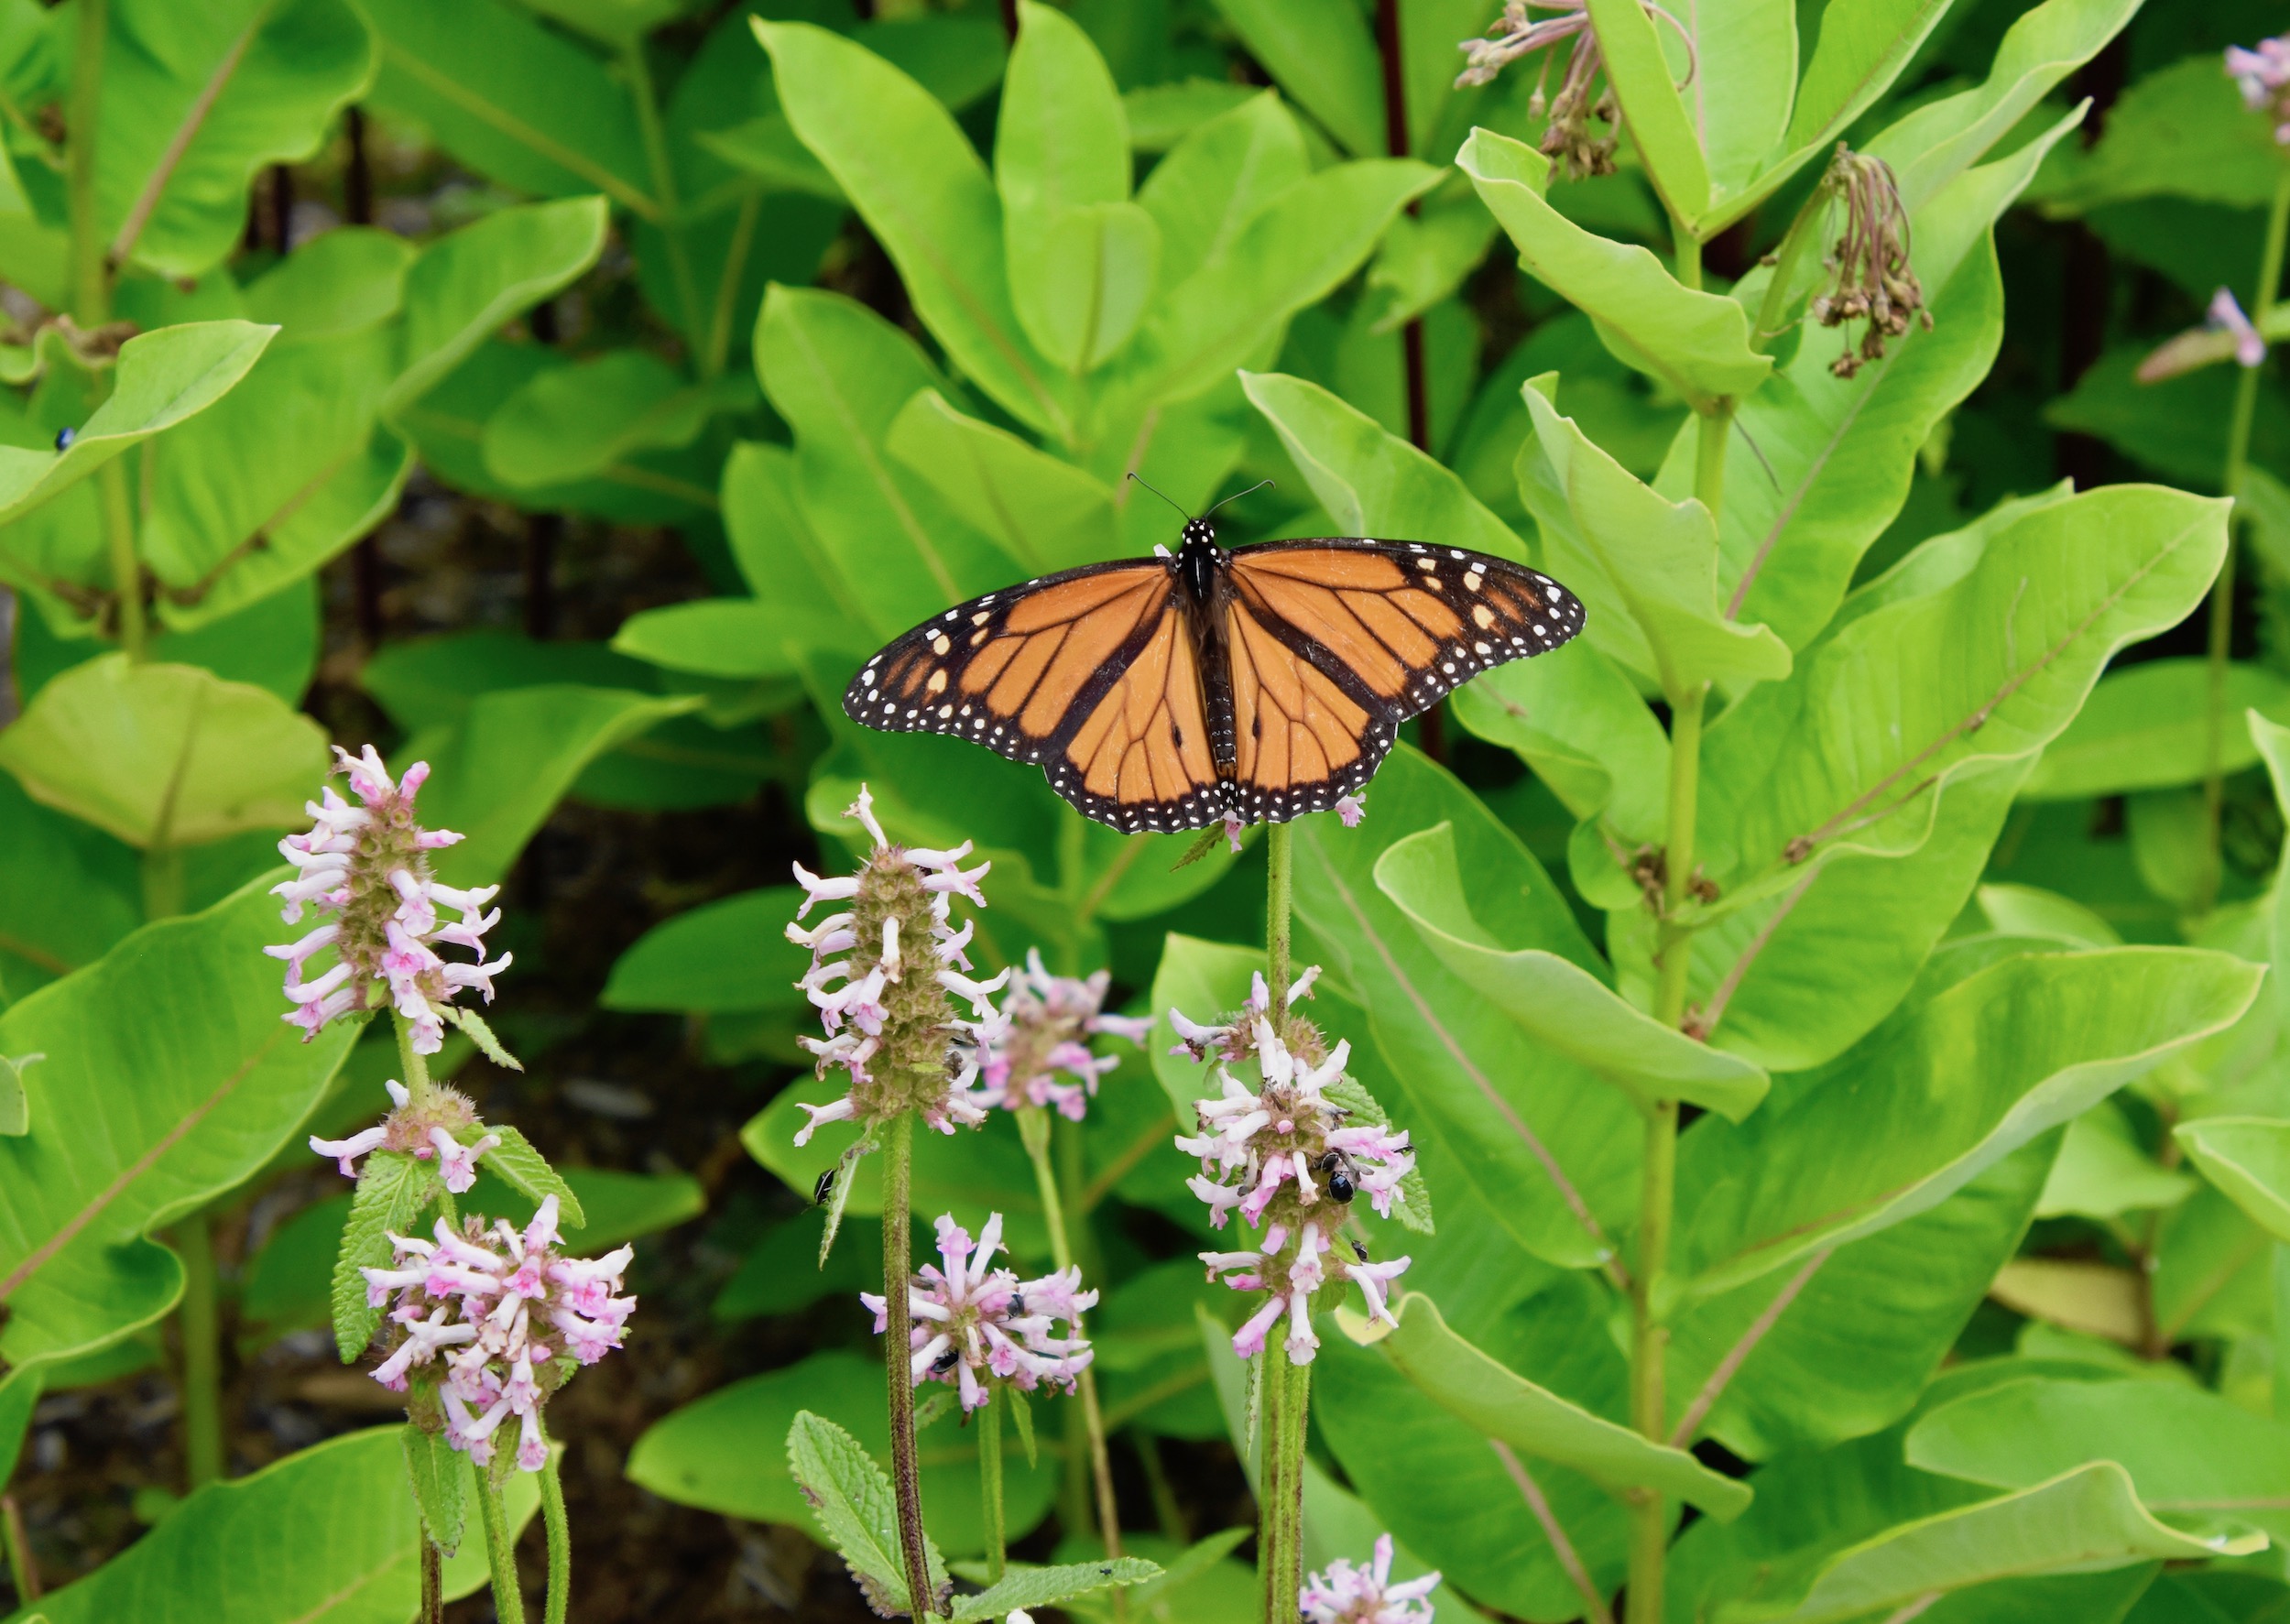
x: 432, y: 1581
x: 898, y: 1268
x: 1280, y: 1535
x: 559, y: 1532
x: 2222, y: 591
x: 508, y: 1599
x: 990, y: 1482
x: 415, y: 1064
x: 1034, y: 1126
x: 1773, y: 314
x: 1710, y: 456
x: 1280, y: 865
x: 23, y: 1571
x: 199, y: 1320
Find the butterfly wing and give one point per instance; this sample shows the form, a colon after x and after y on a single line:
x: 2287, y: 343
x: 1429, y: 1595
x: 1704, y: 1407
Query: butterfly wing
x: 1090, y: 674
x: 1335, y: 642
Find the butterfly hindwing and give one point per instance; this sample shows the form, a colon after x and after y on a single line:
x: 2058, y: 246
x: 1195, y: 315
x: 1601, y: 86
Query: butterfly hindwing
x: 1140, y: 758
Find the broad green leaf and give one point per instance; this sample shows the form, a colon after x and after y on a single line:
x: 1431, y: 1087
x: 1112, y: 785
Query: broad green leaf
x: 1645, y: 569
x: 1553, y: 1154
x: 511, y: 99
x: 579, y: 421
x: 502, y: 768
x: 2141, y: 730
x: 856, y: 1507
x: 523, y: 1169
x: 329, y: 1535
x: 470, y: 281
x: 2188, y: 1451
x: 2085, y: 1519
x: 15, y: 1116
x: 840, y: 374
x: 730, y: 637
x: 726, y: 1452
x: 1082, y: 278
x: 1939, y: 141
x: 1373, y: 482
x: 1744, y: 79
x: 1039, y: 509
x: 1503, y: 1404
x: 1426, y: 255
x: 197, y: 100
x: 1161, y: 116
x: 1207, y: 981
x: 728, y: 955
x: 1224, y: 172
x: 391, y: 1191
x: 1580, y: 724
x: 169, y: 1078
x: 1044, y: 1586
x: 2273, y: 740
x: 614, y: 22
x: 68, y: 893
x: 2181, y: 131
x: 2028, y: 911
x: 1557, y: 1003
x: 1061, y: 139
x: 2249, y: 1158
x: 1324, y: 59
x: 2103, y: 1171
x: 162, y: 378
x: 165, y: 755
x: 1697, y: 343
x: 1970, y: 1076
x: 911, y: 172
x: 440, y: 1485
x: 1662, y: 131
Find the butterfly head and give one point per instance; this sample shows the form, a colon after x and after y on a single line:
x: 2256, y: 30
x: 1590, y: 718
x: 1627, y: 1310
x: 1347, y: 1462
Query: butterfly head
x: 1199, y: 532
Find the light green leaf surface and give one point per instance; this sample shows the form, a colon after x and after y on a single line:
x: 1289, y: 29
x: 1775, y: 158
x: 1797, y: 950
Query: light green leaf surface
x: 731, y: 638
x: 577, y: 422
x: 2180, y: 131
x: 1026, y: 1586
x: 1042, y: 510
x: 728, y: 955
x: 1580, y: 724
x: 1697, y: 343
x: 441, y: 1484
x: 1745, y: 79
x: 165, y: 755
x: 2249, y: 1158
x: 1554, y: 1002
x: 391, y: 1191
x: 169, y: 1078
x: 2140, y: 730
x: 1324, y: 59
x: 16, y: 1116
x: 1662, y: 131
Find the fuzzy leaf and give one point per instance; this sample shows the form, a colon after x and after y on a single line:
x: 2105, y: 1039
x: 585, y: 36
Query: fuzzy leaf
x: 1044, y: 1586
x: 392, y: 1190
x: 480, y: 1034
x: 856, y: 1506
x: 524, y: 1170
x: 440, y: 1480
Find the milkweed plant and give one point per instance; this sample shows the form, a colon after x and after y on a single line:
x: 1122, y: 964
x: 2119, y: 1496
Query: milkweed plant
x: 1773, y: 1110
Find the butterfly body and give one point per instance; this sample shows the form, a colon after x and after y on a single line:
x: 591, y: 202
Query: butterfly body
x: 1255, y: 684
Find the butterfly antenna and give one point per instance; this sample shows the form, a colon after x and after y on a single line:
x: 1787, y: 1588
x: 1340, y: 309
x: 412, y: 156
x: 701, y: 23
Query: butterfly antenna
x: 1238, y: 494
x: 1158, y: 492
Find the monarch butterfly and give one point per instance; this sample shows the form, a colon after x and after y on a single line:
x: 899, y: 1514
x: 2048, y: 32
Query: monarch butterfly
x: 1253, y: 684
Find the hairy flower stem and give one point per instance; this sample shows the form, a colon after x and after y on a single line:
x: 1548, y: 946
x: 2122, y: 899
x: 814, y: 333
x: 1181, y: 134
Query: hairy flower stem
x: 1280, y: 1535
x: 990, y: 1485
x: 415, y: 1064
x: 1279, y: 853
x: 1034, y: 1124
x: 509, y: 1598
x: 199, y: 1320
x: 2222, y: 591
x: 559, y: 1532
x: 432, y: 1581
x: 898, y: 1269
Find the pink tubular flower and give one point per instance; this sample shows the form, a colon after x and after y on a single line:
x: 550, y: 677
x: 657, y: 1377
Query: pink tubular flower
x: 367, y: 868
x: 973, y: 1325
x: 2263, y: 75
x: 1351, y: 809
x: 432, y: 1129
x: 1046, y: 1022
x: 1349, y: 1595
x: 493, y: 1321
x: 887, y: 1005
x: 2225, y: 315
x: 1284, y: 1157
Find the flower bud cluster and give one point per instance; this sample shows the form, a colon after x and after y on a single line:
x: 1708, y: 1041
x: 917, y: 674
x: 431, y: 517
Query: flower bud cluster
x: 1870, y: 277
x: 2263, y: 75
x: 368, y: 866
x: 1349, y: 1595
x: 507, y: 1316
x: 975, y: 1325
x: 1287, y: 1159
x: 441, y: 1125
x: 887, y: 1002
x: 1566, y: 140
x: 1043, y: 1055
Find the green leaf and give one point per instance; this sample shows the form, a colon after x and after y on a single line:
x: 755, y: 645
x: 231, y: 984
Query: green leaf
x: 329, y: 1534
x: 2079, y: 1519
x: 581, y: 421
x: 1082, y: 278
x: 1426, y: 255
x: 196, y: 100
x: 68, y: 893
x: 1552, y: 1152
x: 911, y: 172
x: 16, y: 1116
x: 481, y: 1033
x: 1646, y: 569
x: 391, y: 1191
x: 470, y: 281
x: 512, y: 99
x: 2188, y: 1451
x: 2134, y: 732
x: 2027, y: 910
x: 170, y: 1079
x: 733, y: 639
x: 1324, y: 59
x: 1207, y: 981
x: 855, y: 1507
x: 2180, y: 131
x: 162, y: 378
x: 1045, y: 1587
x: 1697, y: 343
x: 1557, y: 1003
x: 516, y: 1163
x: 1745, y: 77
x: 2249, y: 1158
x: 1966, y: 1079
x: 2103, y: 1171
x: 1503, y: 1404
x: 1224, y: 172
x: 502, y: 768
x: 1039, y: 509
x: 1580, y: 725
x: 165, y: 755
x: 728, y: 955
x: 1662, y: 132
x: 440, y: 1481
